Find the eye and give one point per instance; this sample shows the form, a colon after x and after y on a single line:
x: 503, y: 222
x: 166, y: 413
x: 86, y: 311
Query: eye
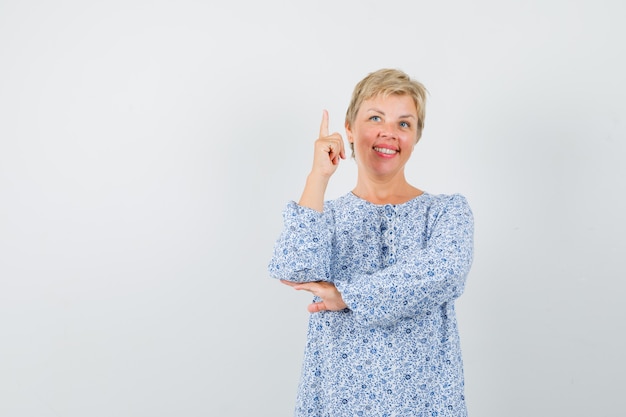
x: 405, y: 125
x: 375, y: 119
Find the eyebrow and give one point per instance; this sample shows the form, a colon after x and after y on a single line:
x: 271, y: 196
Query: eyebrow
x: 404, y: 116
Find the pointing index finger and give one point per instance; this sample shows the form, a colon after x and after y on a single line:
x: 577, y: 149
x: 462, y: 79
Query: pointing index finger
x: 324, y: 125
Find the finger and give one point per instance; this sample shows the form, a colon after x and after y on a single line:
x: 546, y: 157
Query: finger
x: 334, y: 147
x: 306, y: 286
x: 324, y: 125
x: 332, y: 152
x: 337, y: 147
x: 338, y: 157
x: 316, y: 307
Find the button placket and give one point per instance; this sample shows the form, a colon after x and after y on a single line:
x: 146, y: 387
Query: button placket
x: 388, y: 228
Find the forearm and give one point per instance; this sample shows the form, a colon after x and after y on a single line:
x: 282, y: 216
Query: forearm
x: 400, y: 291
x: 313, y: 193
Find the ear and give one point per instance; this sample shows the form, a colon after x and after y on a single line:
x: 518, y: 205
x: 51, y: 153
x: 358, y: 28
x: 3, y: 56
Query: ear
x: 349, y: 132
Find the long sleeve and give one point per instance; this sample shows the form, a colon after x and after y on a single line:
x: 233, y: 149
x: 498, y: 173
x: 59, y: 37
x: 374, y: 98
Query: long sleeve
x: 302, y: 253
x: 429, y: 277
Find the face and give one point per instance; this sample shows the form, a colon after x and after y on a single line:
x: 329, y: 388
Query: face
x: 384, y: 133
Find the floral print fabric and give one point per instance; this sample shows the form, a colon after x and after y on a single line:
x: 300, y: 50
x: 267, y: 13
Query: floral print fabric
x: 395, y: 350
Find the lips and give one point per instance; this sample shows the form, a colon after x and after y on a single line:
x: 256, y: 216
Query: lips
x: 386, y: 151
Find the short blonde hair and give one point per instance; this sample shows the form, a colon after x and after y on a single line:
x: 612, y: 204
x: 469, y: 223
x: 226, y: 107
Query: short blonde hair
x: 388, y: 82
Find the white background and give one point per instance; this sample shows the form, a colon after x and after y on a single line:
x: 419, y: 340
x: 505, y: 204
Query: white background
x: 147, y: 149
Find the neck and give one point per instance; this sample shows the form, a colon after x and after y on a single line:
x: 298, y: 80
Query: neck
x: 385, y: 191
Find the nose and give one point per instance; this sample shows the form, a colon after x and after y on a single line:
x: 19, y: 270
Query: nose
x: 388, y: 130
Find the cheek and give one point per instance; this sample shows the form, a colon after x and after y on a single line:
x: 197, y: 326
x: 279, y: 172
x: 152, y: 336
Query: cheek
x: 408, y: 141
x: 408, y: 145
x: 366, y: 134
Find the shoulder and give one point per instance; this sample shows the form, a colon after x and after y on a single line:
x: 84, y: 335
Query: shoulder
x: 448, y: 206
x: 443, y: 200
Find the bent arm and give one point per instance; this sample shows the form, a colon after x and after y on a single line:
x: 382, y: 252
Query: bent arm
x: 432, y: 276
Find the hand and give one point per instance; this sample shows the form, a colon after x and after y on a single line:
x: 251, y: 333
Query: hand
x: 331, y: 297
x: 329, y: 150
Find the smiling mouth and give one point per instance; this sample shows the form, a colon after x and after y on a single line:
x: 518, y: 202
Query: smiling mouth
x: 386, y: 151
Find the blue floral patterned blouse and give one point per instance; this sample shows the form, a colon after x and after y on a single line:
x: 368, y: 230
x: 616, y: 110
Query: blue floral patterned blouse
x: 395, y: 350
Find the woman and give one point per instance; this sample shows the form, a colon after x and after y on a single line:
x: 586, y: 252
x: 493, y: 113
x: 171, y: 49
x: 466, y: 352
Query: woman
x: 384, y: 262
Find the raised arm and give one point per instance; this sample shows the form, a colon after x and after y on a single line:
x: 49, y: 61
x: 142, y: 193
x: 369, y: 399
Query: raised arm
x: 303, y: 250
x: 328, y: 151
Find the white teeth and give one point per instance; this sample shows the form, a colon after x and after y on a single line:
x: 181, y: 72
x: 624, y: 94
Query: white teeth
x: 385, y: 151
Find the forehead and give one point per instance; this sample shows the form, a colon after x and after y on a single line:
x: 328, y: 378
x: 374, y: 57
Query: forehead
x: 402, y: 103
